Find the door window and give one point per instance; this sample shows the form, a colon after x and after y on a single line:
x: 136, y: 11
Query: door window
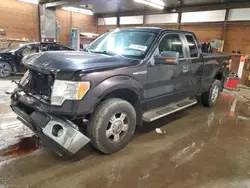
x: 56, y: 47
x: 171, y: 42
x: 192, y: 46
x: 30, y: 49
x: 43, y: 47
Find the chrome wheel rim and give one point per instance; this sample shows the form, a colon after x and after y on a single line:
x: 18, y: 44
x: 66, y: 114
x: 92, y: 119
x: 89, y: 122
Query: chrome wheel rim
x: 215, y: 93
x: 4, y: 70
x: 117, y: 127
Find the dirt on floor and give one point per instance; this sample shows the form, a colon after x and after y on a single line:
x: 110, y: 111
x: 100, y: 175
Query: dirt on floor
x: 242, y: 93
x: 198, y: 147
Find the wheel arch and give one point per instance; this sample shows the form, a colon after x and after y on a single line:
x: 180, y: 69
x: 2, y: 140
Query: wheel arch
x: 220, y: 75
x: 125, y: 88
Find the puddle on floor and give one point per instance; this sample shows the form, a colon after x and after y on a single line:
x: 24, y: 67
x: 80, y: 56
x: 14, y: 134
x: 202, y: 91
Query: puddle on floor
x: 26, y: 145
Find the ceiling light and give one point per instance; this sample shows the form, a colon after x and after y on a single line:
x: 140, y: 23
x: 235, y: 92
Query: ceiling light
x: 153, y: 3
x: 30, y: 1
x: 79, y: 10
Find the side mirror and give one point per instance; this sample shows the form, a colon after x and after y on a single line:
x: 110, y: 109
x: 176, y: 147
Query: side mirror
x: 167, y: 58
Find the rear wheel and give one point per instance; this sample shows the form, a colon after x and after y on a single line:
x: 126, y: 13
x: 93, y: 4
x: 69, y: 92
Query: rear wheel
x: 112, y: 125
x: 5, y: 69
x: 210, y: 97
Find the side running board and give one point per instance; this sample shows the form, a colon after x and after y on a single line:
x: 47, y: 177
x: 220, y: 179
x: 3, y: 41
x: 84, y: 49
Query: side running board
x: 163, y: 111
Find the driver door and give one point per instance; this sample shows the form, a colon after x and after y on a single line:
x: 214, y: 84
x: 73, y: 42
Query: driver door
x: 29, y: 49
x: 167, y: 83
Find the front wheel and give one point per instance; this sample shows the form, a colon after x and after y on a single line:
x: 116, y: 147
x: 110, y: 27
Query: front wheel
x: 210, y: 97
x: 5, y: 69
x: 112, y: 125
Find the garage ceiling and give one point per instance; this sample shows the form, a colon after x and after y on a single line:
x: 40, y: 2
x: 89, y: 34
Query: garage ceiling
x: 112, y: 6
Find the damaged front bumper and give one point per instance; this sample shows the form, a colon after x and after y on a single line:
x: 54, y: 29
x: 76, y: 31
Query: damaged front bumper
x: 56, y: 132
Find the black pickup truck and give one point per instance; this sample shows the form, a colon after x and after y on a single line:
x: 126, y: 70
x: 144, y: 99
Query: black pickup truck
x: 124, y: 78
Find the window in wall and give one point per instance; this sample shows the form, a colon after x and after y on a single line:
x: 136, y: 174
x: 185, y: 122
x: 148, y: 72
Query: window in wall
x: 127, y: 20
x: 171, y: 42
x: 107, y: 21
x: 203, y: 16
x: 192, y: 46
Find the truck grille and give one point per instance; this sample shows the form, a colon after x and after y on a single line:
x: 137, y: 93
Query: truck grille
x: 41, y: 83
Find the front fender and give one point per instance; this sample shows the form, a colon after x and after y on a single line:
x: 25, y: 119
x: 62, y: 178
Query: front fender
x: 94, y: 96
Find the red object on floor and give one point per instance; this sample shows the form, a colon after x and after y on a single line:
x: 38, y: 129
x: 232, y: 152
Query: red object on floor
x: 232, y: 83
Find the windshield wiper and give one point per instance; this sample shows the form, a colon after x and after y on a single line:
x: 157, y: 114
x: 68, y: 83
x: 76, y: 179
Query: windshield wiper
x: 105, y: 52
x: 86, y: 50
x: 102, y: 52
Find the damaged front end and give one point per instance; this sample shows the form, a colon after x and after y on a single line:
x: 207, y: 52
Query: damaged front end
x: 31, y: 102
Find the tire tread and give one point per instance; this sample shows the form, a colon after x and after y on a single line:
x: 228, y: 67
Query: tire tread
x: 96, y: 122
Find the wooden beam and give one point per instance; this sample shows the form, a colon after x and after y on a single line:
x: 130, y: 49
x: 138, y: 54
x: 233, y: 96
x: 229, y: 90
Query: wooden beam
x: 224, y: 32
x: 118, y: 21
x: 39, y: 25
x: 56, y: 3
x: 183, y: 8
x: 144, y: 19
x: 179, y: 20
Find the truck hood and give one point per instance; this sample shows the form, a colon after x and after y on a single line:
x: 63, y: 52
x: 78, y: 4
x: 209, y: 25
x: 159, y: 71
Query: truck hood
x: 63, y: 61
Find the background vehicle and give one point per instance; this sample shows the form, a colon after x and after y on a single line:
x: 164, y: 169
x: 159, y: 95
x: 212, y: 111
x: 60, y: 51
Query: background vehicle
x: 125, y: 77
x: 10, y: 59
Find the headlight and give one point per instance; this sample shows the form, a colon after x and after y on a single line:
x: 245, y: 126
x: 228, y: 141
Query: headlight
x: 68, y: 90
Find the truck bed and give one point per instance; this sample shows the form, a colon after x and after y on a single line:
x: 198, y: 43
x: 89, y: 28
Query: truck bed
x: 214, y: 55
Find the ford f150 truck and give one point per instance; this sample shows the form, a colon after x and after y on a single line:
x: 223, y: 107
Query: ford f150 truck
x: 124, y: 78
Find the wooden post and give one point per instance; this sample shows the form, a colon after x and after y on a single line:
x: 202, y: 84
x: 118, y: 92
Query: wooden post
x: 179, y: 20
x: 224, y: 32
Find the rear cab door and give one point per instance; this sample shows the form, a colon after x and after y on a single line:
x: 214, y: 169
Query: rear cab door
x: 195, y: 64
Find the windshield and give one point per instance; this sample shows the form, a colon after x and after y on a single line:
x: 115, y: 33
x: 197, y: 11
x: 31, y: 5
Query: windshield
x: 125, y: 43
x: 13, y: 48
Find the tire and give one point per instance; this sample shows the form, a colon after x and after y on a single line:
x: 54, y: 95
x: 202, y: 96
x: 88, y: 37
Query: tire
x: 210, y: 97
x: 107, y: 122
x: 5, y: 69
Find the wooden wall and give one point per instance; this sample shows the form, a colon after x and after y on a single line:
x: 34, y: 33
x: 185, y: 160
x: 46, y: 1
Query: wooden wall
x: 64, y: 19
x: 19, y: 19
x: 68, y: 20
x: 163, y: 26
x: 237, y: 36
x: 238, y: 39
x: 205, y: 33
x: 85, y: 22
x: 103, y: 28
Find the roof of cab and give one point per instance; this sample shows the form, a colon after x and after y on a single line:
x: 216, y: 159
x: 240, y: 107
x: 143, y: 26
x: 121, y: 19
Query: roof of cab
x: 154, y: 29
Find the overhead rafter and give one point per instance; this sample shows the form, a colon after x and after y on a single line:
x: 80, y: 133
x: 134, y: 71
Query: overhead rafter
x: 56, y: 3
x: 179, y: 9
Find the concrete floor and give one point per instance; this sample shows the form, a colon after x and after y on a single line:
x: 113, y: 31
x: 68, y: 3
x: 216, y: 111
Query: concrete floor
x: 200, y: 147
